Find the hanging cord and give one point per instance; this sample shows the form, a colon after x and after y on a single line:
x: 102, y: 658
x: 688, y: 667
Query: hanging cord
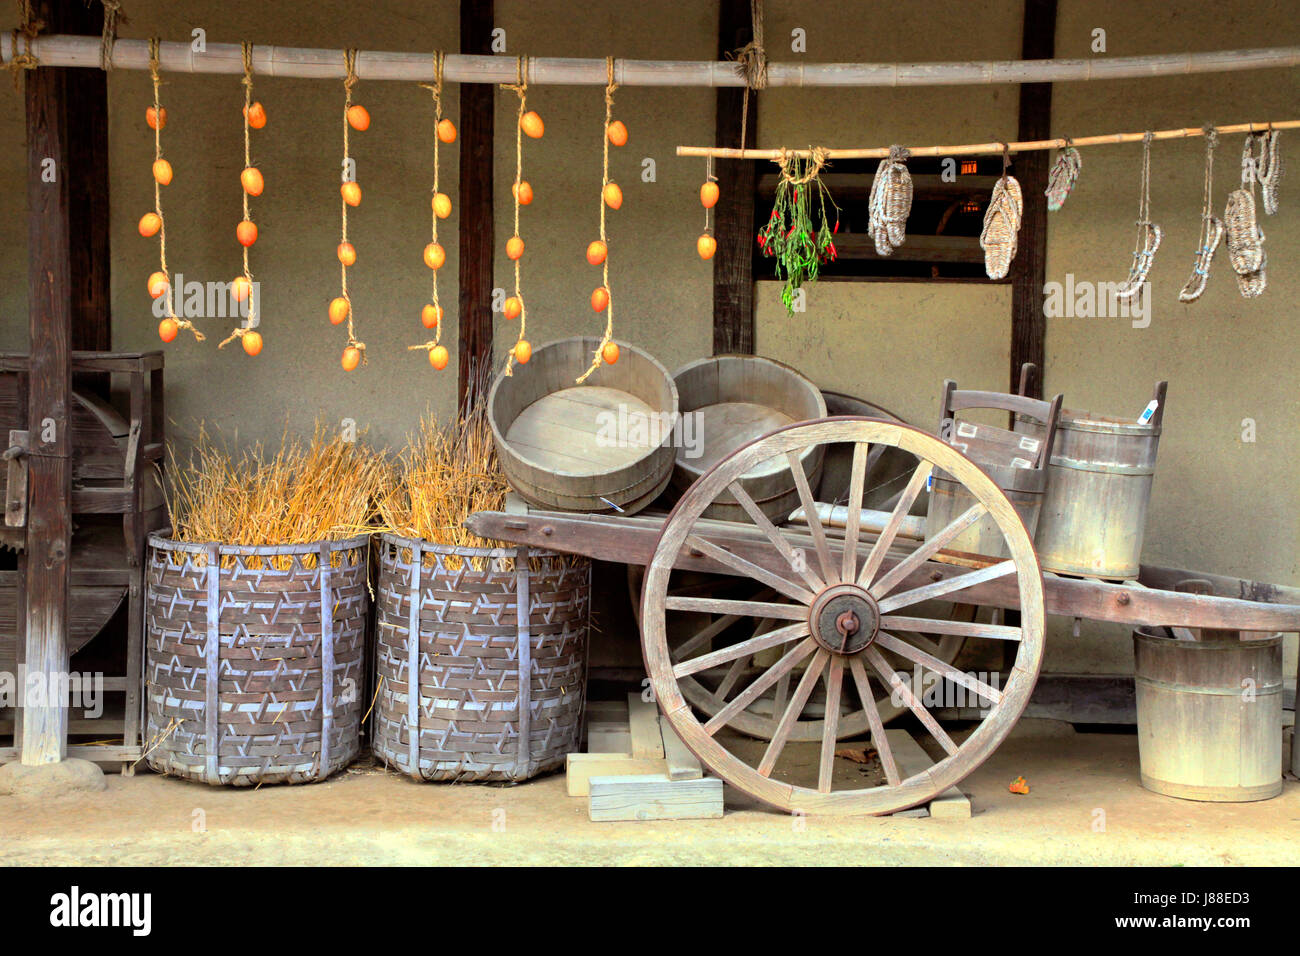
x: 709, y: 177
x: 28, y: 28
x: 795, y: 172
x: 350, y: 64
x: 157, y: 194
x: 597, y: 358
x: 751, y: 65
x: 113, y: 16
x: 435, y: 88
x: 520, y: 88
x: 251, y: 323
x: 1148, y: 233
x: 1211, y: 226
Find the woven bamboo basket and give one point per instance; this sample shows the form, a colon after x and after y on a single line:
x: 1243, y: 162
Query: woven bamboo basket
x: 457, y: 629
x: 248, y: 682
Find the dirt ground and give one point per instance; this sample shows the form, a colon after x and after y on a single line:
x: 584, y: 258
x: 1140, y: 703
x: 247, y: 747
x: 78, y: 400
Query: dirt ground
x: 1085, y: 806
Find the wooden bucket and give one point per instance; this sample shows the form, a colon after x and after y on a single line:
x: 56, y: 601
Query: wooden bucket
x: 474, y: 688
x: 589, y: 447
x: 732, y: 400
x: 254, y: 659
x: 1098, y: 489
x: 1201, y: 736
x: 949, y: 499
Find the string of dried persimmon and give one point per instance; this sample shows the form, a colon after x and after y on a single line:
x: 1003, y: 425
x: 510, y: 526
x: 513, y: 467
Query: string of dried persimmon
x: 530, y: 123
x: 252, y: 183
x: 613, y: 133
x: 152, y: 223
x: 444, y: 132
x: 358, y: 118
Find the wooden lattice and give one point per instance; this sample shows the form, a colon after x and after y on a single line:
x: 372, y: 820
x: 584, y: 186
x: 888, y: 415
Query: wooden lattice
x: 286, y: 707
x: 451, y: 617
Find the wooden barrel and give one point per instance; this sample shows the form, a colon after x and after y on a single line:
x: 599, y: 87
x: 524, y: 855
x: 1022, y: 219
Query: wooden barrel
x: 732, y: 400
x: 589, y: 447
x: 1209, y: 716
x: 1098, y: 488
x: 949, y: 498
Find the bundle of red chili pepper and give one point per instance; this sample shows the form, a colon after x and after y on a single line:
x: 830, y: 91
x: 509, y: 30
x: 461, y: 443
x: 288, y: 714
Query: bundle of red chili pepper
x: 799, y: 233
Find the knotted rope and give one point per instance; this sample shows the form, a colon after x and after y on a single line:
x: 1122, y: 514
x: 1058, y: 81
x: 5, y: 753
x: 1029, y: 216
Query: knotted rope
x: 435, y: 88
x: 349, y: 64
x: 157, y: 193
x: 520, y: 88
x: 113, y: 15
x: 796, y: 173
x: 247, y: 81
x: 28, y: 28
x: 597, y: 358
x: 751, y: 64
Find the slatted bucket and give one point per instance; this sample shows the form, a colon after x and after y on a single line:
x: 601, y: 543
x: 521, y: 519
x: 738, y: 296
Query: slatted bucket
x: 601, y: 446
x: 949, y: 499
x: 482, y: 659
x: 1209, y: 716
x: 1098, y: 490
x: 728, y: 401
x: 254, y: 659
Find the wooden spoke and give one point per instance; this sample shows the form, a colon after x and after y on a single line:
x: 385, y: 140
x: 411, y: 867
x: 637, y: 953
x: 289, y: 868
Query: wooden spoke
x: 778, y: 540
x: 834, y: 681
x: 737, y: 563
x: 868, y: 699
x: 810, y: 509
x: 899, y: 686
x: 947, y: 586
x: 857, y: 489
x: 925, y: 625
x: 890, y: 531
x: 779, y: 698
x: 731, y: 677
x: 792, y: 713
x: 891, y: 578
x: 783, y: 612
x: 917, y: 640
x: 921, y: 658
x: 746, y: 648
x: 755, y: 690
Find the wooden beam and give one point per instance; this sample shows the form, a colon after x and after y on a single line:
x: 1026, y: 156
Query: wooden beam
x: 50, y: 171
x: 477, y: 239
x: 733, y: 216
x: 1029, y: 270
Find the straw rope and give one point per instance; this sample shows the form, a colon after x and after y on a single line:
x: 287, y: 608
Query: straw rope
x: 1211, y: 228
x: 28, y: 28
x: 597, y: 358
x: 435, y: 88
x: 520, y: 88
x: 251, y: 324
x: 113, y: 15
x: 1149, y: 234
x: 350, y: 65
x: 157, y: 194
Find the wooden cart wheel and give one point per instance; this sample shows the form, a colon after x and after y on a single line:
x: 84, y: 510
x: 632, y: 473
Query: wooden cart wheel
x: 708, y: 693
x: 841, y: 613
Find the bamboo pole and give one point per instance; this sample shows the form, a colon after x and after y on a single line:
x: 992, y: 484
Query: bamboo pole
x: 983, y: 149
x: 179, y: 57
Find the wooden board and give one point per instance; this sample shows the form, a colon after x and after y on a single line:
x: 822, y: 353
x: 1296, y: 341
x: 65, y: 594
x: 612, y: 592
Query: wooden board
x: 580, y: 768
x: 643, y: 725
x: 911, y: 759
x: 682, y: 764
x: 562, y: 431
x: 654, y: 798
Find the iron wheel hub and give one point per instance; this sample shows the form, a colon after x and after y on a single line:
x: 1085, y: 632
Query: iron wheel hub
x: 844, y: 619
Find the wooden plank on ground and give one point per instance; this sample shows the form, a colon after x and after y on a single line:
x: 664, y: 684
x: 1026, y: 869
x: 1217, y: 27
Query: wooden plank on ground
x: 580, y: 768
x: 682, y: 764
x: 643, y: 723
x: 608, y: 738
x: 654, y: 798
x: 952, y: 803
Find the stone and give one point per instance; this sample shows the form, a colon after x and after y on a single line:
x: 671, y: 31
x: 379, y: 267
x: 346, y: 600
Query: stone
x: 51, y: 779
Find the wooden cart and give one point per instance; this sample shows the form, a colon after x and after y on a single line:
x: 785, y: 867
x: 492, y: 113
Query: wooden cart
x: 848, y: 602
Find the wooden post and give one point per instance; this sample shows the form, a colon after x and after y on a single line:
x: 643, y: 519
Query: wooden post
x: 50, y: 171
x: 477, y: 109
x: 1029, y: 271
x: 733, y: 216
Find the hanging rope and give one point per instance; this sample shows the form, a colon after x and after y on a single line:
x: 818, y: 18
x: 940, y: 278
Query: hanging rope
x: 350, y: 81
x: 437, y: 354
x: 157, y: 193
x: 251, y: 324
x: 751, y: 65
x: 1211, y: 227
x: 1148, y: 233
x: 520, y: 88
x: 598, y: 357
x: 28, y: 28
x: 113, y: 15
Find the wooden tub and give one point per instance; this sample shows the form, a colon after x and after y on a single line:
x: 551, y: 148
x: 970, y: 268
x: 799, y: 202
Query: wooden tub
x: 603, y: 446
x: 732, y: 400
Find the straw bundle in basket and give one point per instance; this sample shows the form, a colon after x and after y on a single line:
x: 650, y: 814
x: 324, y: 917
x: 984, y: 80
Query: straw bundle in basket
x: 1002, y: 226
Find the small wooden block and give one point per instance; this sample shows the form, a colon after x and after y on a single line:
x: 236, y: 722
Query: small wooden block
x: 607, y: 711
x: 580, y: 768
x: 643, y: 722
x: 911, y: 759
x: 654, y: 798
x: 682, y: 764
x: 603, y: 738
